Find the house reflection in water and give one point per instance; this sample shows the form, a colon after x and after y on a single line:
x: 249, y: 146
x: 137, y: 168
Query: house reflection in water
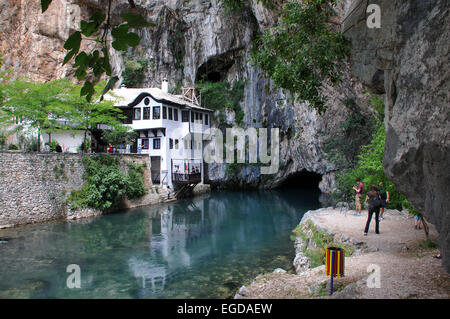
x: 170, y: 237
x: 148, y: 273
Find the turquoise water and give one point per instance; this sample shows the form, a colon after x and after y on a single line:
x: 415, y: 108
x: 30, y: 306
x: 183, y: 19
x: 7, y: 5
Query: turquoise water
x: 203, y: 247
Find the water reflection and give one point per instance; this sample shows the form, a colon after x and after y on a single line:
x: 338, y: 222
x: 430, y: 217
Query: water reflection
x: 196, y: 248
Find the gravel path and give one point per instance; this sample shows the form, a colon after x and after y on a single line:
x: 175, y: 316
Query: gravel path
x: 407, y: 270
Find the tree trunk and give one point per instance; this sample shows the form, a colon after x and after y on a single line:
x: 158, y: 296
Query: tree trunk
x: 425, y: 227
x: 39, y: 138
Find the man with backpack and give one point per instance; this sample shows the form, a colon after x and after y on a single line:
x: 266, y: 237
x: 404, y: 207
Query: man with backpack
x: 384, y: 195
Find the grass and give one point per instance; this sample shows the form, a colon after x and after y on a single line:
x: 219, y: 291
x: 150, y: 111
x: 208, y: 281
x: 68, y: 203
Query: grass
x: 318, y: 241
x: 428, y: 244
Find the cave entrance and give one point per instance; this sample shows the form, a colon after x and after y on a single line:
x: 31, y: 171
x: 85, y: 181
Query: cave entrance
x: 216, y: 68
x: 303, y: 179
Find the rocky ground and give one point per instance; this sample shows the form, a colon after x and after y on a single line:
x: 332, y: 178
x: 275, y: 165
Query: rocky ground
x: 406, y: 264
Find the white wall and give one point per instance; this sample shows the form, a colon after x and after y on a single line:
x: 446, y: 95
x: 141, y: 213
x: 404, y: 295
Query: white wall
x: 69, y: 141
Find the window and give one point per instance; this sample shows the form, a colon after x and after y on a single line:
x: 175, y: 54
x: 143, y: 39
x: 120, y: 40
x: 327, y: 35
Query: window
x: 170, y: 143
x: 137, y: 113
x: 146, y: 115
x: 184, y: 116
x: 156, y: 143
x: 146, y: 101
x: 192, y: 117
x: 128, y: 113
x: 206, y: 119
x: 144, y: 143
x: 175, y: 114
x: 201, y: 117
x: 156, y: 112
x: 196, y: 116
x: 170, y: 113
x: 176, y: 144
x: 164, y: 112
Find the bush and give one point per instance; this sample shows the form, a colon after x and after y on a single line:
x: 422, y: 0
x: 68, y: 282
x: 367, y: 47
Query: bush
x: 31, y: 144
x: 134, y: 72
x: 106, y: 185
x: 135, y: 181
x: 12, y: 147
x: 370, y: 169
x: 52, y: 145
x: 221, y: 95
x: 2, y: 140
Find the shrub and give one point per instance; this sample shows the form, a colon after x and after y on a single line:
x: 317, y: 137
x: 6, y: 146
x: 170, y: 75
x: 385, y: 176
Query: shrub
x: 12, y: 147
x: 31, y: 144
x: 134, y: 72
x: 106, y: 185
x: 135, y: 181
x: 2, y: 140
x: 370, y: 169
x: 221, y: 95
x: 52, y: 145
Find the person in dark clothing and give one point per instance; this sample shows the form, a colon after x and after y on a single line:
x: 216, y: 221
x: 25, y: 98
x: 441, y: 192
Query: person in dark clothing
x: 373, y: 198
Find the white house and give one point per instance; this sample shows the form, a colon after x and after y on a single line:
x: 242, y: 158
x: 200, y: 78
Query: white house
x: 166, y: 124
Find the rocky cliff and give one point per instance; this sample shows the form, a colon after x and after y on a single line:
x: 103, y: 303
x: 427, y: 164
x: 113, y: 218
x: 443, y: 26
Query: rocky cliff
x: 407, y: 60
x: 192, y: 40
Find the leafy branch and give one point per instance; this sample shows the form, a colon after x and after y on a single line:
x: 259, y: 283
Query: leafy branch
x: 303, y: 50
x: 90, y: 66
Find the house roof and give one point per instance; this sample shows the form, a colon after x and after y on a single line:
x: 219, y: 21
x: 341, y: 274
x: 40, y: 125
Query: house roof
x: 132, y: 97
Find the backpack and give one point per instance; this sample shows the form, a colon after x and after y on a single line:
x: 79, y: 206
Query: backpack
x: 375, y: 201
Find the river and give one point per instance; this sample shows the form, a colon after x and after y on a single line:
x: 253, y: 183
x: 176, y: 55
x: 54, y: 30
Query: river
x: 201, y: 247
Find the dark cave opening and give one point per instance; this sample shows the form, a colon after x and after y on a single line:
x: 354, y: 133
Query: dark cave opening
x: 216, y: 68
x: 302, y: 179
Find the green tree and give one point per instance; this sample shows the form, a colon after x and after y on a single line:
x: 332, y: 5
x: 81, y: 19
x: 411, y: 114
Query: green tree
x: 119, y: 135
x: 54, y: 106
x: 32, y: 106
x: 303, y: 50
x: 85, y: 115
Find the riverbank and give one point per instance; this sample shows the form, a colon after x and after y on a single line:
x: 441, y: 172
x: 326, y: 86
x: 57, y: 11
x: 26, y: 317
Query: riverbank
x: 404, y: 256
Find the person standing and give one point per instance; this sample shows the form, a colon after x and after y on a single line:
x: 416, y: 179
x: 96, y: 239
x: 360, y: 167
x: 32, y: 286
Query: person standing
x: 384, y: 195
x: 417, y: 222
x: 373, y: 198
x: 359, y: 188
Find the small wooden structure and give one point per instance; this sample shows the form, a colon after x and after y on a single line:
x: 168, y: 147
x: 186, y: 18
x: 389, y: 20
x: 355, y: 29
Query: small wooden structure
x: 190, y: 94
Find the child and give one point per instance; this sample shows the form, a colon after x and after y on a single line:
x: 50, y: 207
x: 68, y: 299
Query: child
x: 417, y: 222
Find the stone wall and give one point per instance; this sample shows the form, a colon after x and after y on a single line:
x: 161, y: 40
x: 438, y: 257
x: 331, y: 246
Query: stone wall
x: 34, y: 187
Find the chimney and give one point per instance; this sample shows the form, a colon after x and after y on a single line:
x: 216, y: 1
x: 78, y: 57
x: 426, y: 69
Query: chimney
x: 165, y: 85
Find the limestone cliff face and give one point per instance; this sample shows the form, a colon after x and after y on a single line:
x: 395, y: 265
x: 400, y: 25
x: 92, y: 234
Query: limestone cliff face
x: 191, y: 40
x: 407, y: 59
x: 31, y: 42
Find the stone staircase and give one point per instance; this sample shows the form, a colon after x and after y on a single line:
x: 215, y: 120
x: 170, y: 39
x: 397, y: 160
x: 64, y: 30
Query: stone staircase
x: 162, y: 192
